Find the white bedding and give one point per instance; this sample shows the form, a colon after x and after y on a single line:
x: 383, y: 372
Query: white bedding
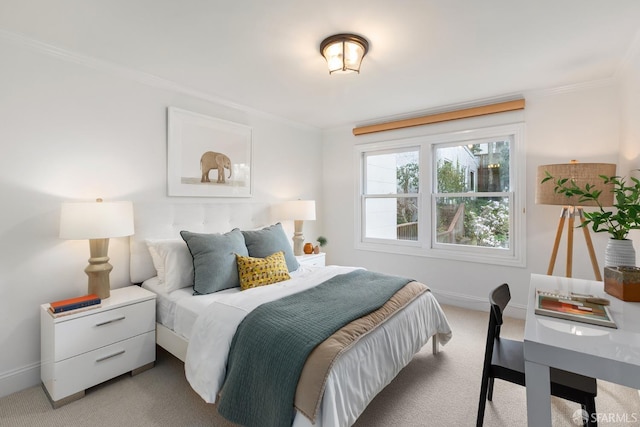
x: 179, y: 309
x: 356, y: 377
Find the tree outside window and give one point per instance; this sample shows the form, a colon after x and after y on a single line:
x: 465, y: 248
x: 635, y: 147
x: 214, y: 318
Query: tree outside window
x: 472, y: 200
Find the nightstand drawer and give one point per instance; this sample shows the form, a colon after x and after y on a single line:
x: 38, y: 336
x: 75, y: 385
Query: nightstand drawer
x: 319, y: 262
x: 312, y: 260
x: 100, y: 329
x: 84, y: 371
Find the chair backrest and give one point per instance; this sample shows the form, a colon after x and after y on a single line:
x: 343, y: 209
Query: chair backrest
x: 498, y: 298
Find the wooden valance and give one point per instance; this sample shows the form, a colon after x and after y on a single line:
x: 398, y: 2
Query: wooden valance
x: 499, y: 107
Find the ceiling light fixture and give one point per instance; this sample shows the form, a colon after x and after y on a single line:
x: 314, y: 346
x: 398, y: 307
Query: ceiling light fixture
x: 344, y: 52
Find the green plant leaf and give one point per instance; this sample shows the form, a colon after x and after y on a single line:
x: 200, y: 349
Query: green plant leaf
x: 626, y: 203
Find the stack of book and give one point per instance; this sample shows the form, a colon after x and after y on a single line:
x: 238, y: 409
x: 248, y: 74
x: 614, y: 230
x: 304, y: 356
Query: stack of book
x: 74, y: 305
x: 578, y: 307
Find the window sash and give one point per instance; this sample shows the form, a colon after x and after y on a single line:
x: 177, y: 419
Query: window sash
x: 381, y: 152
x: 510, y: 196
x: 367, y: 237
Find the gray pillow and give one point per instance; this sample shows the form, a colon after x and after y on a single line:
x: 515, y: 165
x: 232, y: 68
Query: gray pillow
x: 214, y: 259
x: 269, y: 240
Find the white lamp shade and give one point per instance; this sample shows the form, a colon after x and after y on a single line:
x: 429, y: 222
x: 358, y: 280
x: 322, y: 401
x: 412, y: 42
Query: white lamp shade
x: 96, y: 220
x: 300, y: 210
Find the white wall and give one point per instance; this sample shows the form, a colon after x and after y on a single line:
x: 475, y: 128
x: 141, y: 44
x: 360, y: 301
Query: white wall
x: 578, y: 123
x: 629, y: 160
x: 75, y: 132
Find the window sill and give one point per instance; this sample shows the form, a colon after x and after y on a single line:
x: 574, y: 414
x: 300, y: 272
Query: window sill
x: 457, y: 254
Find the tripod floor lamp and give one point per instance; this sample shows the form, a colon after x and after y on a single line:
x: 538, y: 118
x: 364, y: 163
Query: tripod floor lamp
x: 581, y: 174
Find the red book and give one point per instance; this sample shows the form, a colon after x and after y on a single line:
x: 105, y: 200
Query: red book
x: 73, y: 303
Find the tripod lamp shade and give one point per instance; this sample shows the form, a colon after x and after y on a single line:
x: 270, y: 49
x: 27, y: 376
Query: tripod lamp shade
x: 96, y: 220
x: 581, y: 174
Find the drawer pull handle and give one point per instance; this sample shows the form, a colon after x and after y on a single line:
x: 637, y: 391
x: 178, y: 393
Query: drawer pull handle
x: 110, y: 321
x: 117, y: 353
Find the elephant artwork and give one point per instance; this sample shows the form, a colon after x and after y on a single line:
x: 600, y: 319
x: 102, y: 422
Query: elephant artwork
x: 212, y: 160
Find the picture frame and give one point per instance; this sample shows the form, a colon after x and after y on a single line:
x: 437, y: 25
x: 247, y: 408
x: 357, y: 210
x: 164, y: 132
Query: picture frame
x: 207, y: 156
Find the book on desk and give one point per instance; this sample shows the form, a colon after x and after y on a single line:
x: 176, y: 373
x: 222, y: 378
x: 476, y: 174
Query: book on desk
x: 569, y: 307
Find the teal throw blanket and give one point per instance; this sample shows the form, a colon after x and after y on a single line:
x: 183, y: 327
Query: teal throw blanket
x: 272, y: 343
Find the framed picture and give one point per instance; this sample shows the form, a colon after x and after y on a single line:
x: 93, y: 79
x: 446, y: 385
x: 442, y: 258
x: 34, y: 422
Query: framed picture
x: 207, y: 157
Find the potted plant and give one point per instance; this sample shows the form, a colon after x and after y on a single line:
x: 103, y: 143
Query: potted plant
x: 322, y: 241
x: 618, y: 223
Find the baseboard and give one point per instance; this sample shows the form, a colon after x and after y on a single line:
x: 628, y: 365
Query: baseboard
x: 19, y: 379
x: 517, y: 311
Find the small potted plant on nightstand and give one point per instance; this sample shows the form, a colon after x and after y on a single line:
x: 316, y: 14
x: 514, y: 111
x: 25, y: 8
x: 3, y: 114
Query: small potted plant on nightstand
x: 322, y: 241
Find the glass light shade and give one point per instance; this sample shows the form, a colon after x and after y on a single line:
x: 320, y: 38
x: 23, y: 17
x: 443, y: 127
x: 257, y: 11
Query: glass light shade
x: 344, y: 52
x: 581, y: 174
x: 97, y: 220
x: 300, y: 210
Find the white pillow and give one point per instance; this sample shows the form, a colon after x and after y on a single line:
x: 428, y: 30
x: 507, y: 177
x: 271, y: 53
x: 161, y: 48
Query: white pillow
x: 173, y: 263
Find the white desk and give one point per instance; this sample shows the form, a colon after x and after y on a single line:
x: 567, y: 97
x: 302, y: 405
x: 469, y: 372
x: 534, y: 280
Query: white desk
x: 596, y: 351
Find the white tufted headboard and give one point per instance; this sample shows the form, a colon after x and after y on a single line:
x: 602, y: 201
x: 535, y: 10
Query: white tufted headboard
x: 166, y: 220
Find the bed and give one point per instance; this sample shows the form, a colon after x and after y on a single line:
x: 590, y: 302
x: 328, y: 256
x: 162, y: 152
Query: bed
x: 184, y: 321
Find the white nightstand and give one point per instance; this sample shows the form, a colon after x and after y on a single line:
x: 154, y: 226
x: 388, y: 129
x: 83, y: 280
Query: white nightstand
x: 83, y: 349
x: 313, y: 260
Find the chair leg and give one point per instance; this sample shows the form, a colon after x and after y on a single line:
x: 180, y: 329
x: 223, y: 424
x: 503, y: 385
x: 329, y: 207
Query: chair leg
x: 590, y: 407
x: 483, y: 401
x: 490, y: 391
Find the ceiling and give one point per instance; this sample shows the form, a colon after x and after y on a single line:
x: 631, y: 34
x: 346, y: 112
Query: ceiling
x: 263, y: 55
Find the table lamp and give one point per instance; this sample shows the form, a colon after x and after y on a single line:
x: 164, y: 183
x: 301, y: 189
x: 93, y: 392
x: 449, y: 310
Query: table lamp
x: 299, y: 211
x: 581, y: 174
x: 97, y: 222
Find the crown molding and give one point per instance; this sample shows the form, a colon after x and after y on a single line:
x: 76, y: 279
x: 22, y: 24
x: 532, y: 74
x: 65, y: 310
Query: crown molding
x: 139, y: 76
x: 577, y: 87
x: 632, y: 53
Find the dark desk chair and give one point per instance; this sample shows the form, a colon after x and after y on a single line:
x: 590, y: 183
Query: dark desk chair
x: 504, y: 359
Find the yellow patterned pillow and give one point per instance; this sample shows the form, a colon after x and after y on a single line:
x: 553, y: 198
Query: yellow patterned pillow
x: 254, y: 272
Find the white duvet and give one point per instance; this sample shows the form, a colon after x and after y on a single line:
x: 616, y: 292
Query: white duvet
x: 356, y: 377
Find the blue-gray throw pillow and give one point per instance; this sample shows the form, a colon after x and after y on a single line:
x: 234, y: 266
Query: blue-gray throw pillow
x: 214, y: 259
x: 269, y: 240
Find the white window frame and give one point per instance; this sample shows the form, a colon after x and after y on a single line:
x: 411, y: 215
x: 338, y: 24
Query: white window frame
x: 365, y: 197
x: 426, y: 245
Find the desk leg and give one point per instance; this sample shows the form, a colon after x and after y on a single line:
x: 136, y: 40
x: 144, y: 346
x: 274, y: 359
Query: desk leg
x: 538, y: 394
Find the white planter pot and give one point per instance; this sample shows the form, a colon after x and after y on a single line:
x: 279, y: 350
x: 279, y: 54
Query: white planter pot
x: 619, y: 252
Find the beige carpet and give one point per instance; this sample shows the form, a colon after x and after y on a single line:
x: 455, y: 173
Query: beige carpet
x: 431, y: 391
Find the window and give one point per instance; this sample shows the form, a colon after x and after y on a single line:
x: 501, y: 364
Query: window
x: 391, y: 202
x: 458, y: 195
